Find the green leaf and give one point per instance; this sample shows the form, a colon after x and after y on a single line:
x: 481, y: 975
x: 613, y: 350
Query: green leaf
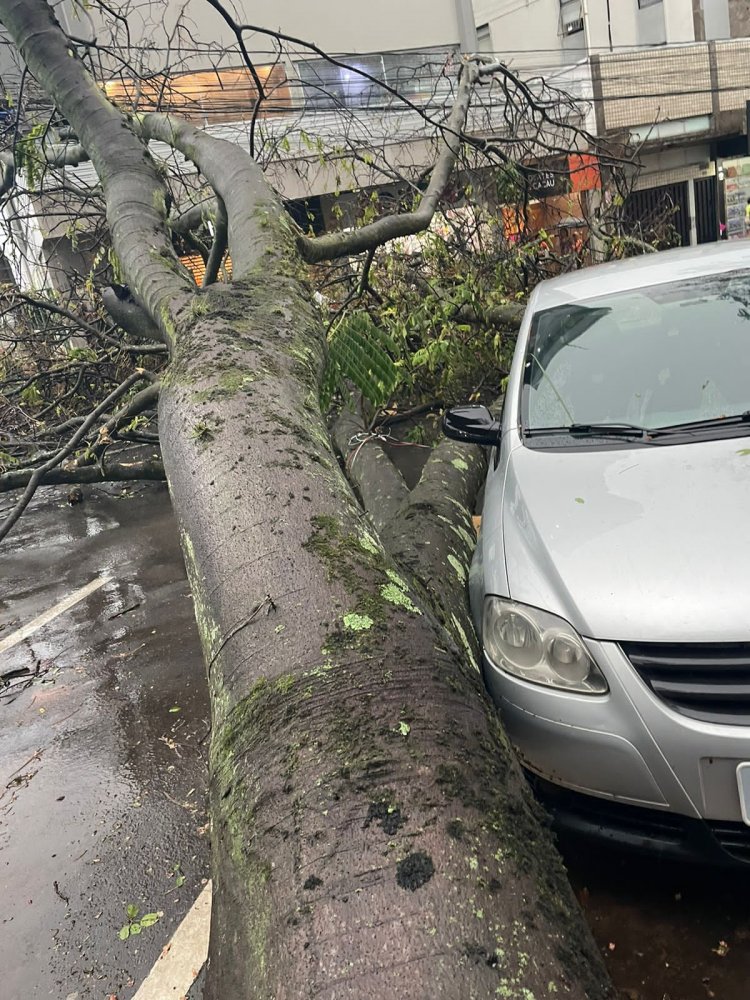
x: 135, y: 928
x: 124, y: 932
x: 404, y: 728
x: 149, y: 919
x: 175, y: 708
x: 179, y: 881
x: 744, y: 451
x: 580, y: 500
x: 31, y: 396
x: 358, y: 351
x: 132, y: 911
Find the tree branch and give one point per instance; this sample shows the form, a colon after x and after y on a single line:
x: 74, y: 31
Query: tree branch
x: 89, y: 328
x: 8, y: 166
x: 218, y: 247
x: 143, y: 400
x: 130, y: 316
x: 395, y: 226
x: 235, y: 177
x: 135, y: 194
x: 38, y: 475
x: 113, y: 471
x: 378, y: 482
x: 193, y: 217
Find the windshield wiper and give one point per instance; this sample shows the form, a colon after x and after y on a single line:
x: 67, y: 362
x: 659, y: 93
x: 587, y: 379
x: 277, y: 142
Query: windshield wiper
x: 591, y: 430
x: 695, y: 425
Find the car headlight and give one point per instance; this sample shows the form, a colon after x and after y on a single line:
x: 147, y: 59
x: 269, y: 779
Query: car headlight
x: 538, y: 647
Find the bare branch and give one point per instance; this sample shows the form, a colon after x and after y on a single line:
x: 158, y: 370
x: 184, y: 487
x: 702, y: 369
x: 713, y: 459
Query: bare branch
x: 394, y: 226
x: 89, y: 328
x: 218, y: 247
x: 37, y: 478
x: 248, y: 62
x: 112, y: 471
x: 146, y: 399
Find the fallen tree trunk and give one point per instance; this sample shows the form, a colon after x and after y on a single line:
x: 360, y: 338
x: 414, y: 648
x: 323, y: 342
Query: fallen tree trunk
x: 427, y: 531
x: 372, y: 832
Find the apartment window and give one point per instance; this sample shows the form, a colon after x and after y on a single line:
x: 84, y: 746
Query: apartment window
x: 418, y: 75
x: 213, y: 96
x: 571, y: 16
x: 648, y: 3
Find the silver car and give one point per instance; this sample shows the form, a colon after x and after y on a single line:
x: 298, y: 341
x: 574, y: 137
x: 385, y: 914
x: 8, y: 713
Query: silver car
x: 611, y: 582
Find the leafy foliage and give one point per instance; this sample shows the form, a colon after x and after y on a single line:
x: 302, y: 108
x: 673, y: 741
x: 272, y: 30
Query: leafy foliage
x: 28, y: 154
x: 136, y: 924
x: 360, y: 352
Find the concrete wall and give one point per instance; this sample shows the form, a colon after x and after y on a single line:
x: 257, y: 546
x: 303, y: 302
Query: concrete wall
x: 739, y: 18
x: 334, y: 25
x: 679, y: 24
x: 530, y: 31
x: 715, y: 17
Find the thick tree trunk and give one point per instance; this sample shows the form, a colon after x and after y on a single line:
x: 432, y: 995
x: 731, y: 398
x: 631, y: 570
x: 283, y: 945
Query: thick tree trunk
x: 372, y: 833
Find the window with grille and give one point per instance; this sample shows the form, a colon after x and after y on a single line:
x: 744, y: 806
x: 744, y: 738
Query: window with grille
x: 571, y: 16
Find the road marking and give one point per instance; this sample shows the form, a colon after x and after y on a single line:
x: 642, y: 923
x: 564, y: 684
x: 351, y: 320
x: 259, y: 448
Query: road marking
x: 177, y: 968
x: 68, y: 602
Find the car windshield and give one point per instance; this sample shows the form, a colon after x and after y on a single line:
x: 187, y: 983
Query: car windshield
x: 652, y: 357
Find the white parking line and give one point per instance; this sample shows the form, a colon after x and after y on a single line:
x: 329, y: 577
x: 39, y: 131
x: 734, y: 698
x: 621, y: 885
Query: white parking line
x: 68, y: 602
x: 177, y: 967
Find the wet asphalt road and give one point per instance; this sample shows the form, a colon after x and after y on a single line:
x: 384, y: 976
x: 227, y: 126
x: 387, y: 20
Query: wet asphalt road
x: 102, y: 786
x: 667, y: 932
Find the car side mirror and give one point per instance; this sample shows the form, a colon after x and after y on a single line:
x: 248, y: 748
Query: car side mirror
x: 472, y: 425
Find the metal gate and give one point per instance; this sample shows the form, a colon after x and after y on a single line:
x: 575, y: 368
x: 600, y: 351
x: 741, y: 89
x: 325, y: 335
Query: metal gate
x: 707, y: 210
x: 660, y: 215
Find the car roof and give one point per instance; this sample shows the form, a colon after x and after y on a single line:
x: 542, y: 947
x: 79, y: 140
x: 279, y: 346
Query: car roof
x: 640, y: 272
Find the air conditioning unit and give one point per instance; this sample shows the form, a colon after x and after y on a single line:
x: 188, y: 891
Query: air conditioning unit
x: 573, y: 26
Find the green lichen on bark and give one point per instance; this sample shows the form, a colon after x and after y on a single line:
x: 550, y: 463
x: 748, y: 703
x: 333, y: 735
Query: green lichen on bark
x: 376, y: 589
x: 234, y: 826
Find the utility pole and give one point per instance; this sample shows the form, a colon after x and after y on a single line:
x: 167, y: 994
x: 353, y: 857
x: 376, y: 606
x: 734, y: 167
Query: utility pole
x: 467, y: 30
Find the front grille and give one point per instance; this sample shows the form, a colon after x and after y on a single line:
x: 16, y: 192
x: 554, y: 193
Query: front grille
x: 709, y: 682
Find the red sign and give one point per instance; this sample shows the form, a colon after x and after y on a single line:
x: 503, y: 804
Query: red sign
x: 584, y: 172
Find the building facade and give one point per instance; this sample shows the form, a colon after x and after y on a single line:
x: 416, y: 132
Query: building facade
x: 669, y: 77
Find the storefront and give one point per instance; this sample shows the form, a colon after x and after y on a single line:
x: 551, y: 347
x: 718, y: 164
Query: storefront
x: 735, y: 174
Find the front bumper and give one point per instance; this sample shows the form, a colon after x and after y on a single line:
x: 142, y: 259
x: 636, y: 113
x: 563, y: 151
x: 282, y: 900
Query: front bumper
x: 662, y: 835
x: 626, y: 747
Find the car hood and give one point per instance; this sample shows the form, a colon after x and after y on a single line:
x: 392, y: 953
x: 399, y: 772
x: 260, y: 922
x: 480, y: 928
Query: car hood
x: 643, y: 544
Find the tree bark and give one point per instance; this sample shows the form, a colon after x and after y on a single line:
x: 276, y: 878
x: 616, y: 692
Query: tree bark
x: 428, y: 531
x: 112, y: 470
